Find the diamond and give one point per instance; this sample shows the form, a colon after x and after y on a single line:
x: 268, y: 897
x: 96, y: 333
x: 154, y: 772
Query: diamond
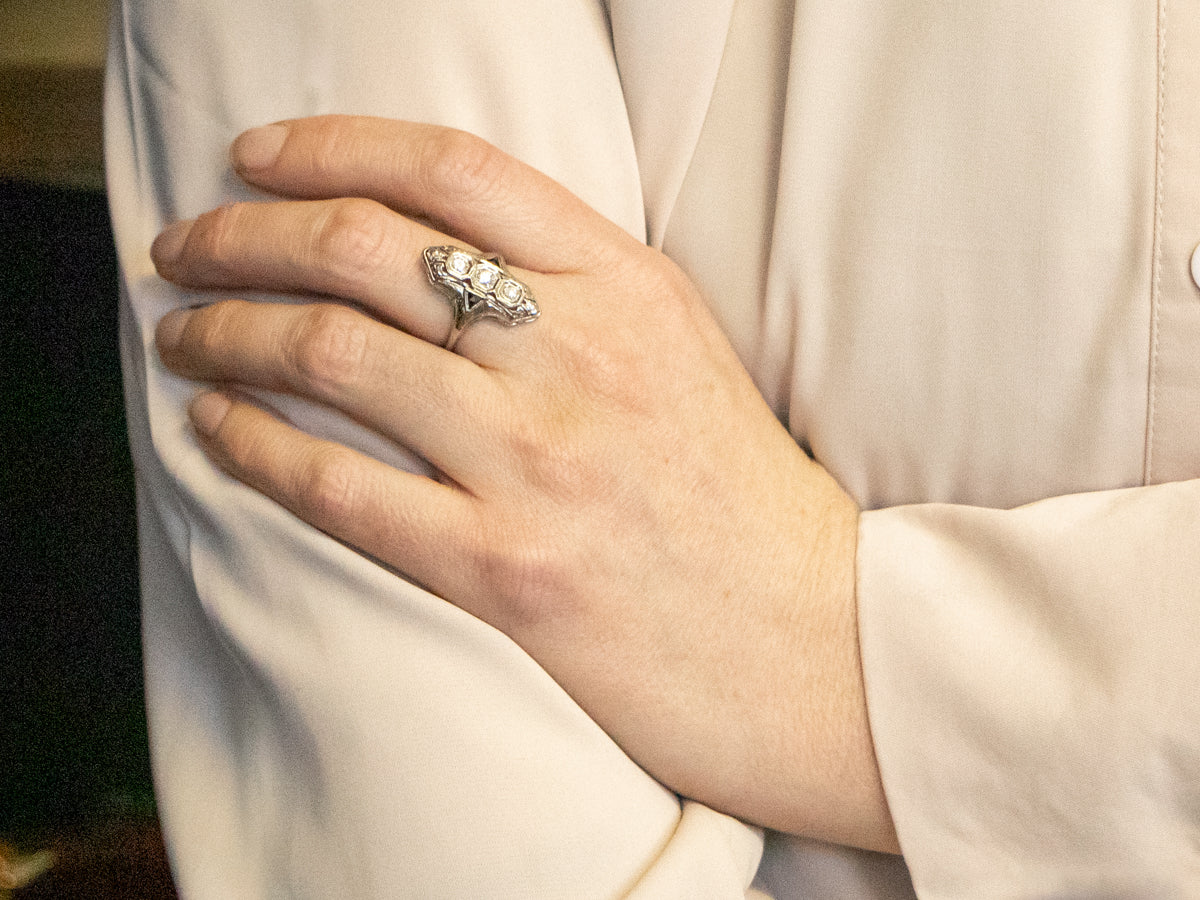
x: 485, y: 275
x: 458, y: 263
x: 510, y: 291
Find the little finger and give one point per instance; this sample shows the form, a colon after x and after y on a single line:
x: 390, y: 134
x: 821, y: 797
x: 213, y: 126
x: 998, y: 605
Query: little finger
x: 412, y: 523
x: 437, y: 404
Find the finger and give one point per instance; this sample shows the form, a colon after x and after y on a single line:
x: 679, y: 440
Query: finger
x: 467, y: 186
x: 437, y: 404
x: 351, y: 248
x: 409, y: 522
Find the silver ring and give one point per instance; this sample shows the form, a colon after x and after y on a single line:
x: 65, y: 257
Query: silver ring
x: 479, y: 287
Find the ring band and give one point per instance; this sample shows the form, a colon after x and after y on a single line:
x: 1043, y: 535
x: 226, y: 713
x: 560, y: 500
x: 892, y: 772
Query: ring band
x: 479, y: 287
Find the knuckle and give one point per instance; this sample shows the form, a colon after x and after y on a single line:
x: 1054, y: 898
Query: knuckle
x: 248, y: 444
x: 329, y: 347
x: 242, y: 444
x: 354, y: 240
x: 527, y: 580
x: 330, y: 490
x: 610, y: 373
x: 556, y: 464
x: 462, y: 166
x: 562, y: 472
x: 678, y: 303
x: 331, y: 141
x: 597, y: 365
x: 216, y: 240
x: 207, y: 332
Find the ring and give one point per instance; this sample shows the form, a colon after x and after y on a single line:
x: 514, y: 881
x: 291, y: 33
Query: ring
x: 479, y: 287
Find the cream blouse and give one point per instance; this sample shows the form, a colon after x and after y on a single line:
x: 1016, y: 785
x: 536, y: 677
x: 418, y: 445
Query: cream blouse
x: 951, y: 242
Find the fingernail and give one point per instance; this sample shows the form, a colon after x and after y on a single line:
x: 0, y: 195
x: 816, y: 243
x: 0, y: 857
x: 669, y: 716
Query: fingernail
x: 258, y: 148
x: 169, y: 244
x: 208, y: 411
x: 170, y: 329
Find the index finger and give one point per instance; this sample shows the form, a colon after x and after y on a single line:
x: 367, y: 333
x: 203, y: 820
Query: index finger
x: 466, y: 186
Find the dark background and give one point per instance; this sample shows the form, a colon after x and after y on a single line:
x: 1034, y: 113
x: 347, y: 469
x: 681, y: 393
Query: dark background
x: 74, y: 763
x: 73, y: 727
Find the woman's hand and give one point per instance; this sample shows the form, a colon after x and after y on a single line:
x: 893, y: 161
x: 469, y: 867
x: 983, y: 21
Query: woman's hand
x: 614, y: 494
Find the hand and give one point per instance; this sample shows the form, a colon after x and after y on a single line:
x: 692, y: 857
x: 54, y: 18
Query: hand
x: 614, y: 493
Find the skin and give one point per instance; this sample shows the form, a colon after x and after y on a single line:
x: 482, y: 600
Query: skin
x: 615, y: 494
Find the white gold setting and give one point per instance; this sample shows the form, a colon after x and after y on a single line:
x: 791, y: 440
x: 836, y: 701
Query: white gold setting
x: 479, y: 287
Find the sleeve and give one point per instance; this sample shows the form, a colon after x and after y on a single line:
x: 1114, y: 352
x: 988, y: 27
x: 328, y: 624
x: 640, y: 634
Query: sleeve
x: 320, y: 727
x: 1032, y: 681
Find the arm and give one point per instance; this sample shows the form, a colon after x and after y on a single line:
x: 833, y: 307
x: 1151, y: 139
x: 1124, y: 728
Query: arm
x: 320, y: 726
x: 900, y: 572
x: 881, y: 595
x: 596, y: 501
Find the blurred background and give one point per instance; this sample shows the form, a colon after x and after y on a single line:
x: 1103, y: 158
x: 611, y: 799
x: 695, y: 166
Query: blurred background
x: 74, y: 771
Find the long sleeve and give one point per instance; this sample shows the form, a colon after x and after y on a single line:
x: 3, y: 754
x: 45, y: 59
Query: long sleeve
x: 1032, y: 672
x: 1032, y: 681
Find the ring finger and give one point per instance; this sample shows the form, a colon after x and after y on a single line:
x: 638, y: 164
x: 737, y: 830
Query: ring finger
x: 355, y: 249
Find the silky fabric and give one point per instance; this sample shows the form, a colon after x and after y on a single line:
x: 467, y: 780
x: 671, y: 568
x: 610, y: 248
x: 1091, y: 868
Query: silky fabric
x: 950, y: 242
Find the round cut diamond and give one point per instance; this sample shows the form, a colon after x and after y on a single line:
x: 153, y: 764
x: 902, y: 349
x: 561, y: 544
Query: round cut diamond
x: 458, y: 263
x: 484, y: 276
x: 510, y: 291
